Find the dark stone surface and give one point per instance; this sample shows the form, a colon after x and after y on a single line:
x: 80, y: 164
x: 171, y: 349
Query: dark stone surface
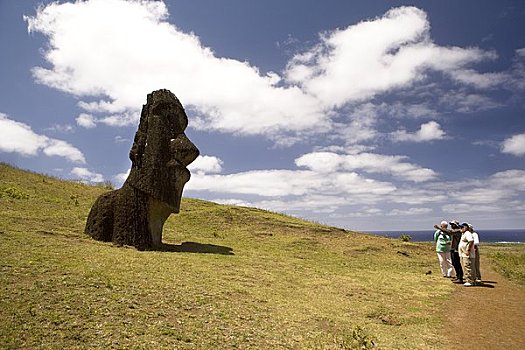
x: 135, y: 214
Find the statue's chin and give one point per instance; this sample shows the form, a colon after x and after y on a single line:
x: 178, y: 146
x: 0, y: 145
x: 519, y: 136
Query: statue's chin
x: 182, y: 176
x: 175, y: 206
x: 174, y: 201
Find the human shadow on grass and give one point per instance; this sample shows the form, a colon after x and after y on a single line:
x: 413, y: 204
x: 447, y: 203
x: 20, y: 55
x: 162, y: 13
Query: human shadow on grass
x: 193, y: 247
x: 485, y: 285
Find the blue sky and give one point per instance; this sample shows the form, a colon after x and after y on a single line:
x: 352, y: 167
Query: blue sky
x: 368, y: 115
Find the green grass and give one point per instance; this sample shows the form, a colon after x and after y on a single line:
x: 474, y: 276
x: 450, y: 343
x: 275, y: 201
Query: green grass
x: 230, y: 277
x: 508, y: 259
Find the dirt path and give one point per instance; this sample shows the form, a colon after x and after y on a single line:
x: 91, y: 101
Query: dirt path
x: 493, y: 313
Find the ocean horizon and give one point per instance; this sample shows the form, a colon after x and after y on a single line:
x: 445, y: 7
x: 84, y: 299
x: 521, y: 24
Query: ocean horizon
x: 488, y: 236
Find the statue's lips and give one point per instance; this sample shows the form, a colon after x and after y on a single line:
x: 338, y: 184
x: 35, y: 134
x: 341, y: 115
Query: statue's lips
x: 180, y: 169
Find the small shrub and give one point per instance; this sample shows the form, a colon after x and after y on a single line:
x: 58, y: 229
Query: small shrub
x: 357, y: 339
x: 107, y: 185
x: 405, y: 238
x: 74, y: 197
x: 14, y: 192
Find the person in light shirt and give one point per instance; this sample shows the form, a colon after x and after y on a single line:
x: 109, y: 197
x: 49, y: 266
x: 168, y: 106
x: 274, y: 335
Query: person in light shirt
x: 475, y: 235
x: 467, y: 255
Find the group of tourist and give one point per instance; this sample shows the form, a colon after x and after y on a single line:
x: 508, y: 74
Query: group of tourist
x: 457, y: 249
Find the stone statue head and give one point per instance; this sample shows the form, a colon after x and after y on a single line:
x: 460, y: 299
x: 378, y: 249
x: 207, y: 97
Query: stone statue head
x: 161, y: 151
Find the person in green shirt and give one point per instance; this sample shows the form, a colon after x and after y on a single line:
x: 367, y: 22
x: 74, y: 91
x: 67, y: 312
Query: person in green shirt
x: 443, y: 243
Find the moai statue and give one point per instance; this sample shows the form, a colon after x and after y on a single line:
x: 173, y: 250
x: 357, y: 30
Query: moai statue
x: 135, y: 214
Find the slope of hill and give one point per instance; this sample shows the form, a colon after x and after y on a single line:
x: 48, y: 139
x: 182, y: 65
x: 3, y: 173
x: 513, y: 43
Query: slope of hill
x: 228, y: 277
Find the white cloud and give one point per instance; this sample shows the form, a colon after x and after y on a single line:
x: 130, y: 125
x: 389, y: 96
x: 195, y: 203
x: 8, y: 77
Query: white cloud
x: 376, y: 56
x: 63, y: 149
x: 510, y: 180
x: 86, y: 121
x: 418, y: 196
x: 368, y: 162
x: 351, y: 149
x: 465, y: 102
x: 428, y: 132
x: 500, y: 190
x: 121, y: 177
x: 359, y: 125
x: 514, y: 145
x: 465, y: 208
x: 277, y: 183
x: 480, y: 80
x: 516, y: 76
x: 338, y: 194
x: 417, y: 110
x: 143, y: 52
x: 315, y: 203
x: 206, y: 165
x: 322, y: 162
x: 120, y: 139
x: 331, y: 181
x: 237, y: 202
x: 360, y: 213
x: 328, y: 173
x: 65, y: 128
x: 87, y: 175
x: 20, y: 138
x: 409, y: 211
x: 122, y: 119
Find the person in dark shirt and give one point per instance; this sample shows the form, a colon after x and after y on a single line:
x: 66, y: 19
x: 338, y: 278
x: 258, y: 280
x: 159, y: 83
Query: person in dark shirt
x: 455, y: 232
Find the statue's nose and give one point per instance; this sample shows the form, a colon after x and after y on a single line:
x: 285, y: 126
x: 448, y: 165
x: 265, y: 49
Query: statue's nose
x: 183, y: 149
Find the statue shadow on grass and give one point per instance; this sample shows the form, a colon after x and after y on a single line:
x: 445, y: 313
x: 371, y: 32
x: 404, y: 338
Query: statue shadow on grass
x: 193, y: 247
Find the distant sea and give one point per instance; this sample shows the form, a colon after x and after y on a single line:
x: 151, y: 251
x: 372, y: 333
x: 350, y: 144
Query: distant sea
x: 489, y: 236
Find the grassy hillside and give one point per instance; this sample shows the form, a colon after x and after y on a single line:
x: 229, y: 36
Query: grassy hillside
x: 508, y: 260
x: 229, y: 277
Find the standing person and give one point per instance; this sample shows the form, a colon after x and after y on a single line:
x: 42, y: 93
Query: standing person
x: 467, y: 254
x: 443, y: 242
x: 455, y: 232
x: 475, y: 235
